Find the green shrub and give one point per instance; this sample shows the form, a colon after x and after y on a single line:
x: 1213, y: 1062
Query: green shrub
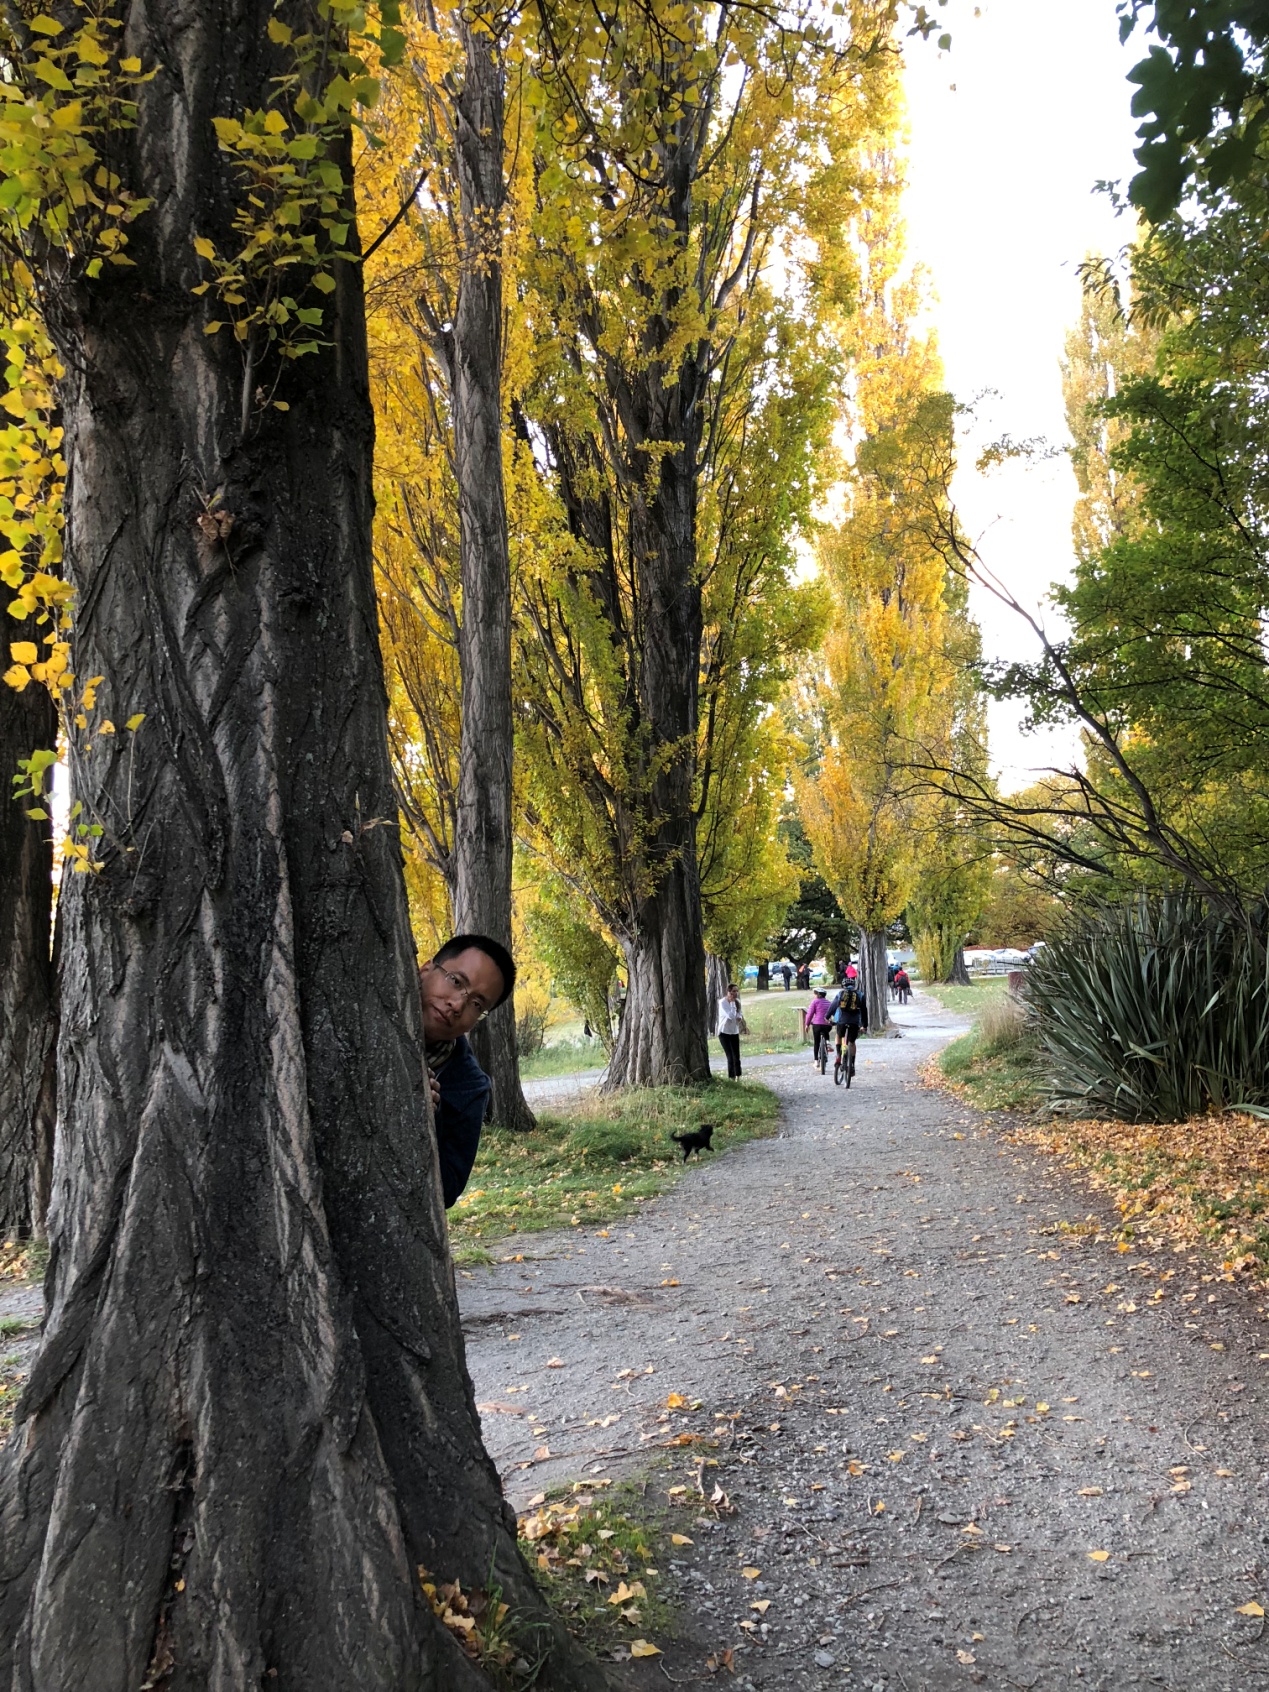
x: 1154, y: 1011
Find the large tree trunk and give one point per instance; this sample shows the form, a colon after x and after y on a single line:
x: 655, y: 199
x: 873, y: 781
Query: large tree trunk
x: 663, y: 1038
x: 28, y: 721
x: 664, y: 1033
x: 250, y: 1420
x: 872, y: 967
x: 717, y: 981
x: 958, y: 974
x: 482, y: 845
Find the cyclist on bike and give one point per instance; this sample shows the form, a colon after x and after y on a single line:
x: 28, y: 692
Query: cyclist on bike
x: 817, y: 1022
x: 850, y: 1014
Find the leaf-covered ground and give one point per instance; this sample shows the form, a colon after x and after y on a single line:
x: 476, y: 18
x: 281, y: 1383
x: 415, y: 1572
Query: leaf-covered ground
x: 917, y: 1419
x: 1204, y: 1182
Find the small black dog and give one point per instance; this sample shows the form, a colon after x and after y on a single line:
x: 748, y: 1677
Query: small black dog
x: 699, y: 1141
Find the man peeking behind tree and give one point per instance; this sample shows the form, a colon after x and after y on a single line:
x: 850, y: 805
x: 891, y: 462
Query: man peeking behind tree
x: 469, y: 976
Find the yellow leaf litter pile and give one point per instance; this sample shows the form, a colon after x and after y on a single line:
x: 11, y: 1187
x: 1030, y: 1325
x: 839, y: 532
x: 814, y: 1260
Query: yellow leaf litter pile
x: 598, y: 1567
x: 1204, y: 1182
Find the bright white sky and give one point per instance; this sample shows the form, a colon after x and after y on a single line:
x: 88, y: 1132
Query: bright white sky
x: 1009, y: 133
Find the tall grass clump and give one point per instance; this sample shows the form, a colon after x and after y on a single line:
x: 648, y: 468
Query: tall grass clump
x: 1001, y: 1027
x: 1154, y: 1011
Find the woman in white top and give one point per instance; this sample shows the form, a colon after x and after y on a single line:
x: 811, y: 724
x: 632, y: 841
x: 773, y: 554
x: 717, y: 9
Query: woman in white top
x: 730, y: 1027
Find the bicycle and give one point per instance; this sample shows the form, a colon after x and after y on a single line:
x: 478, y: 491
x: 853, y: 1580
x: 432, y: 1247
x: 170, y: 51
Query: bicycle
x: 844, y: 1061
x: 823, y: 1049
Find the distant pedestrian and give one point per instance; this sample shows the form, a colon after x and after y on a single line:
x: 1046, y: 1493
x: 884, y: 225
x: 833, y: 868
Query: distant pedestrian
x: 731, y: 1025
x: 787, y: 975
x: 903, y: 985
x: 892, y: 969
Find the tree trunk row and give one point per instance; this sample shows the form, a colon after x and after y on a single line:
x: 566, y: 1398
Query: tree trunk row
x: 250, y: 1420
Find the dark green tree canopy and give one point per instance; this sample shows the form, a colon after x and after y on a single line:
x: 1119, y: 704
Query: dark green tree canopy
x: 1201, y: 91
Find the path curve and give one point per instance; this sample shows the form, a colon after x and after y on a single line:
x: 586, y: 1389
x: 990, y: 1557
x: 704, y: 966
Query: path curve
x: 948, y: 1392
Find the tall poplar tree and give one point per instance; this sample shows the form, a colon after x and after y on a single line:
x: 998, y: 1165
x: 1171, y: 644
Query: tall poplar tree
x: 450, y: 295
x: 889, y: 684
x: 249, y: 1422
x: 685, y: 153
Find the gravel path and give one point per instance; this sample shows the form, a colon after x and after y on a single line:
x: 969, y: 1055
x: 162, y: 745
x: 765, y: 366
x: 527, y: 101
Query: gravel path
x: 940, y: 1394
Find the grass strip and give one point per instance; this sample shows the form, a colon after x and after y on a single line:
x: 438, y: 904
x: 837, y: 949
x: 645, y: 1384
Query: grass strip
x: 967, y: 1001
x: 597, y: 1549
x: 564, y: 1057
x: 598, y: 1159
x: 990, y: 1078
x: 1203, y: 1182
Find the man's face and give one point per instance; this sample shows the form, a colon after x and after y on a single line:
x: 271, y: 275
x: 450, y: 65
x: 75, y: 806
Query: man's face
x: 457, y: 993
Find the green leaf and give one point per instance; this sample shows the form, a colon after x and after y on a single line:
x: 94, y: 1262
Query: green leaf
x: 37, y: 815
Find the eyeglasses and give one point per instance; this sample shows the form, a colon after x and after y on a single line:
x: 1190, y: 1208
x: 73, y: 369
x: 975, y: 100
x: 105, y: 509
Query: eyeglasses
x: 466, y: 995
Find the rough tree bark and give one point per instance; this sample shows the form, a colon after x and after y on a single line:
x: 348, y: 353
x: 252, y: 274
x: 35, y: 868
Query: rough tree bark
x: 958, y: 974
x: 872, y: 968
x: 482, y: 844
x: 250, y: 1419
x: 664, y: 1034
x: 28, y: 721
x: 717, y: 979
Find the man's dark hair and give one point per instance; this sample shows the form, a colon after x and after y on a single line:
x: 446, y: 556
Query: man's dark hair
x: 492, y: 949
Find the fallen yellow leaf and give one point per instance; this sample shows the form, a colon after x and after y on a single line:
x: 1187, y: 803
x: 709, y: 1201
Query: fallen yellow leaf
x: 675, y: 1401
x: 641, y: 1648
x: 681, y: 1539
x: 1090, y: 1492
x: 1252, y: 1609
x: 751, y: 1573
x: 965, y: 1657
x: 762, y: 1605
x: 1098, y: 1556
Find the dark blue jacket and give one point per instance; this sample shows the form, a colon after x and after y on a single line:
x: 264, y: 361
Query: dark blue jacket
x: 465, y: 1090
